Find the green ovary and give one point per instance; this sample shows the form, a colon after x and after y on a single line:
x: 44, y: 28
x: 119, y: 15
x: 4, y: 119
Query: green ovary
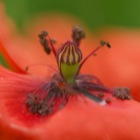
x: 69, y: 71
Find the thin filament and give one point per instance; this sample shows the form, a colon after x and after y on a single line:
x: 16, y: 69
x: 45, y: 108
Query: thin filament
x: 92, y: 53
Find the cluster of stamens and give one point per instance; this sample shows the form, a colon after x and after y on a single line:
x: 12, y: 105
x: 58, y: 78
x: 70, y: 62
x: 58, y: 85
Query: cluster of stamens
x: 55, y: 94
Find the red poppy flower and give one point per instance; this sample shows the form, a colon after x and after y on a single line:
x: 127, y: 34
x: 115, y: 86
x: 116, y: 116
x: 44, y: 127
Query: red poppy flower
x: 96, y: 120
x: 116, y: 120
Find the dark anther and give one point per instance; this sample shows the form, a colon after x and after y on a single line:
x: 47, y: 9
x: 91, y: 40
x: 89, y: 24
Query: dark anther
x: 37, y: 106
x: 47, y: 49
x: 77, y: 34
x: 44, y: 42
x: 122, y: 93
x: 30, y: 99
x: 108, y: 44
x: 102, y: 43
x: 46, y: 100
x: 43, y: 34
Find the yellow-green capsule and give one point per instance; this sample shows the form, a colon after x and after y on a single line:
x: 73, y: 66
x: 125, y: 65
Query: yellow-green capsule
x: 69, y: 57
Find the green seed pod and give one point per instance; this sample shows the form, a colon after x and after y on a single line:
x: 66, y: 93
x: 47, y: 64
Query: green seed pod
x: 69, y: 57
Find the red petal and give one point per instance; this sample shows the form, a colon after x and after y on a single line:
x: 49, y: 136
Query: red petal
x: 80, y: 119
x: 11, y: 64
x: 7, y: 30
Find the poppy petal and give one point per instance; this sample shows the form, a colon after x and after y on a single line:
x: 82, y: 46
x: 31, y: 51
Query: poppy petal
x: 81, y: 118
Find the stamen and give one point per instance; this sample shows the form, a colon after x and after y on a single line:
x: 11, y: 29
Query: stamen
x: 102, y: 43
x: 47, y: 42
x: 86, y: 83
x: 77, y: 34
x: 40, y: 106
x: 122, y: 93
x: 43, y: 34
x: 47, y: 98
x: 52, y: 47
x: 44, y: 41
x: 91, y: 96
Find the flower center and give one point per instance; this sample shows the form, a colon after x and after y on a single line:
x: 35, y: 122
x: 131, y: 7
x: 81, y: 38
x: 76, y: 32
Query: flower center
x: 55, y: 93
